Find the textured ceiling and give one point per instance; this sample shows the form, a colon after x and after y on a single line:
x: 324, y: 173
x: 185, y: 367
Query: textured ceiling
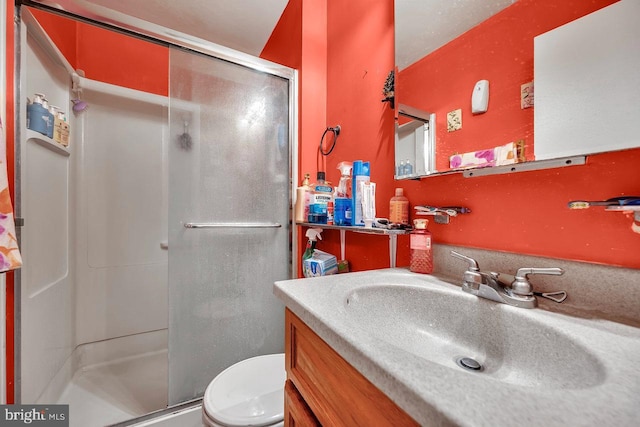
x: 245, y: 25
x: 423, y: 26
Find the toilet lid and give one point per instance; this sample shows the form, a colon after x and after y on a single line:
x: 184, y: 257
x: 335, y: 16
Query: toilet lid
x: 250, y: 392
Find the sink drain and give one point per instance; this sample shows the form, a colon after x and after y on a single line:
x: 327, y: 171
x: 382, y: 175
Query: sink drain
x: 469, y: 364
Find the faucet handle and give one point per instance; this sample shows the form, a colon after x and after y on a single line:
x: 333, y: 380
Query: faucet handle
x: 472, y: 278
x: 473, y: 264
x: 521, y: 285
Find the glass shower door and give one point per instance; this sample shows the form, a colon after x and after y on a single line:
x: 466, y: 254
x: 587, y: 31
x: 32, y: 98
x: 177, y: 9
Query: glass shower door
x: 229, y: 233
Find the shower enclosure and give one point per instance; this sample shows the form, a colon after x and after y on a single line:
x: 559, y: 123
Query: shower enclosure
x: 152, y: 241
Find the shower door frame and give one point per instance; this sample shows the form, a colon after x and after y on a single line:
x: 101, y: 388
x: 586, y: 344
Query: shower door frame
x: 114, y: 21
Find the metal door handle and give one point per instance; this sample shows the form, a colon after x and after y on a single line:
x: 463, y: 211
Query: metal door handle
x: 232, y: 225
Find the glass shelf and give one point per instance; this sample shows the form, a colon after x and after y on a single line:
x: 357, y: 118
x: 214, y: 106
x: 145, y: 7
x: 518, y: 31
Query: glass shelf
x: 393, y: 236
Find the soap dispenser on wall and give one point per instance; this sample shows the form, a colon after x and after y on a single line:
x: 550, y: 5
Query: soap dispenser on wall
x: 480, y: 97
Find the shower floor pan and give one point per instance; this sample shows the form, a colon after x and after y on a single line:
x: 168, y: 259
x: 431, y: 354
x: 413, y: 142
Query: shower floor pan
x: 116, y: 390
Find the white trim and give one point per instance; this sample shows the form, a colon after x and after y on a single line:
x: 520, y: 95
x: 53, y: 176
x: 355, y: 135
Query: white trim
x: 179, y: 418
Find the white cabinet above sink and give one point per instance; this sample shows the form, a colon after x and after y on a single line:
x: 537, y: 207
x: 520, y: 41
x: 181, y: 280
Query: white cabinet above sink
x: 587, y: 84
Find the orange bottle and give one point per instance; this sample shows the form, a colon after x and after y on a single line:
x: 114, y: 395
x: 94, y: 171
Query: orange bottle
x: 399, y: 208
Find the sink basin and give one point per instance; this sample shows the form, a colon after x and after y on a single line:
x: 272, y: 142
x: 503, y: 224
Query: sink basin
x: 444, y: 327
x: 406, y: 333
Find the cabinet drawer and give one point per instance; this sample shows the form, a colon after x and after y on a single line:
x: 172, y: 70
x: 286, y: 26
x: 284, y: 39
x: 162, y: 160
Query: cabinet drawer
x: 337, y: 394
x: 296, y: 411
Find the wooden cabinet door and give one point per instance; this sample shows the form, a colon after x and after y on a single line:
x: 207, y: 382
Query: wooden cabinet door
x: 337, y: 393
x: 296, y: 411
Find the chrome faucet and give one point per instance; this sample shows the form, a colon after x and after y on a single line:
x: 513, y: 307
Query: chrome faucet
x: 513, y: 290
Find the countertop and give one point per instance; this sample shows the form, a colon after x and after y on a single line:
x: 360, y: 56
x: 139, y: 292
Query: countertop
x: 434, y: 394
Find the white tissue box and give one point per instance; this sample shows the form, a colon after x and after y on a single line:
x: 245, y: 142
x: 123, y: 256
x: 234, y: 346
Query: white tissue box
x: 320, y: 264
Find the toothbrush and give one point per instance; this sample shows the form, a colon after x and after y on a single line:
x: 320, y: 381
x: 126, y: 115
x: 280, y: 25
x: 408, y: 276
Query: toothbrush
x: 432, y: 210
x: 459, y: 209
x: 615, y: 201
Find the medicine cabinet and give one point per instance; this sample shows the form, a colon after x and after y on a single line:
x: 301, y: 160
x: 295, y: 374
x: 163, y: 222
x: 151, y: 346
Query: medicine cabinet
x: 587, y: 84
x: 415, y: 147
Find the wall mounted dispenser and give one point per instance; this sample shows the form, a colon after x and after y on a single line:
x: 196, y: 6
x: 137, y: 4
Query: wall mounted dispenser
x: 480, y: 97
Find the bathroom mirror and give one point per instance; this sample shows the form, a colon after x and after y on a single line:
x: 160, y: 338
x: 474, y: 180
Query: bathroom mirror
x: 443, y: 48
x: 415, y: 154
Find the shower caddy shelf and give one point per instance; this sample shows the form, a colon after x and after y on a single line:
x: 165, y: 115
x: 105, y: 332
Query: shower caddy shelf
x: 47, y: 142
x: 393, y: 236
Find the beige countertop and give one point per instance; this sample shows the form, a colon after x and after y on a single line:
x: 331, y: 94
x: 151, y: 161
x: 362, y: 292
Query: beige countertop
x: 519, y: 391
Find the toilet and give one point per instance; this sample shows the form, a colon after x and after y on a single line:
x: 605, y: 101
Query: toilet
x: 248, y: 393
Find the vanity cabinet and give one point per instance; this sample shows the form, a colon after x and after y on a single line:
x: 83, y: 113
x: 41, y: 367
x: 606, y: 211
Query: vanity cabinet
x: 334, y: 392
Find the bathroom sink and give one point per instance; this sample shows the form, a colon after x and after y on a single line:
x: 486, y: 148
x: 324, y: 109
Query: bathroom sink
x: 407, y: 333
x: 456, y: 330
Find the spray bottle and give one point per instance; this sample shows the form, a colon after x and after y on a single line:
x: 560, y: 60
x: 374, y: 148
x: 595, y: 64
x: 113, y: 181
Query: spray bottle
x: 342, y: 195
x: 313, y: 234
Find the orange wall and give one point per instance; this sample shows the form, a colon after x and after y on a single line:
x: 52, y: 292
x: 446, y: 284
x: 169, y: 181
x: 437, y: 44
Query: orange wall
x: 360, y: 56
x: 121, y: 60
x: 285, y: 43
x: 341, y: 84
x: 524, y: 212
x: 108, y: 56
x: 62, y: 32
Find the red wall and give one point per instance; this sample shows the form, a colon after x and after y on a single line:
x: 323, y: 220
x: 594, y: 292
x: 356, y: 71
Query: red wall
x: 341, y: 84
x: 361, y: 55
x: 107, y: 56
x: 121, y: 60
x: 524, y: 212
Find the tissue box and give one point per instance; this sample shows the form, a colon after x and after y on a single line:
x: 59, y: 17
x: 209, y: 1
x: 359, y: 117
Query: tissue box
x: 320, y: 264
x: 498, y: 156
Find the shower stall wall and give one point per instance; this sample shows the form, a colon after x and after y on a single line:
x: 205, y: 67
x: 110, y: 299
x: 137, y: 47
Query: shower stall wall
x: 156, y: 235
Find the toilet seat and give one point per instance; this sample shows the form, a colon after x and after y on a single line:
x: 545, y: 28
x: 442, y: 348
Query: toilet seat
x: 248, y: 393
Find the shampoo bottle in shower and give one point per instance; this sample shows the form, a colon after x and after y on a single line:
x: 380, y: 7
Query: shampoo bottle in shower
x: 38, y: 115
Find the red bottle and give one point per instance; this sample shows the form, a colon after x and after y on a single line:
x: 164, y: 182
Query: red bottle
x: 421, y: 250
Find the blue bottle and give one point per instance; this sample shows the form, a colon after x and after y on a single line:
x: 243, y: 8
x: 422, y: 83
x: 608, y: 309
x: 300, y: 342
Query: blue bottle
x: 39, y: 118
x: 408, y: 168
x: 361, y: 173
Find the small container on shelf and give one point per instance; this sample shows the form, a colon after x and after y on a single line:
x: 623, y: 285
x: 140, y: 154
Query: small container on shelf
x: 39, y: 118
x: 399, y: 208
x: 421, y: 250
x: 61, y: 129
